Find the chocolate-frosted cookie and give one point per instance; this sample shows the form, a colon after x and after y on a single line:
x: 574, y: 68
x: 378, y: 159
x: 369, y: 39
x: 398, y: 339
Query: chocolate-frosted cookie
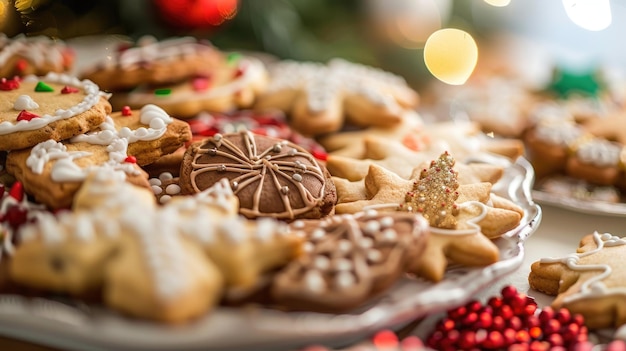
x: 271, y: 177
x: 349, y: 259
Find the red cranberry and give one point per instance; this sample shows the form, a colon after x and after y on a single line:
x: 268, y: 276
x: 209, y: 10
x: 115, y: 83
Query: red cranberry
x: 509, y: 292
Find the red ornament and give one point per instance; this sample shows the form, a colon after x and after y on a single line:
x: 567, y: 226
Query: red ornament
x: 196, y: 14
x: 26, y: 116
x: 130, y: 159
x: 126, y: 111
x: 69, y: 90
x: 9, y: 84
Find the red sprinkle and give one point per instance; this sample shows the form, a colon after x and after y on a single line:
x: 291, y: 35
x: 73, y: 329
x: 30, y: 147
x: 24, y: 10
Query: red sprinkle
x: 130, y: 159
x: 320, y: 155
x: 239, y: 72
x: 26, y: 116
x: 17, y: 191
x: 69, y: 90
x: 126, y: 111
x: 9, y: 84
x: 21, y: 65
x: 201, y: 83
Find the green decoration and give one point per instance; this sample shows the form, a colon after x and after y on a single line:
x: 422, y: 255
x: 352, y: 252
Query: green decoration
x: 565, y: 83
x: 42, y: 87
x: 162, y: 92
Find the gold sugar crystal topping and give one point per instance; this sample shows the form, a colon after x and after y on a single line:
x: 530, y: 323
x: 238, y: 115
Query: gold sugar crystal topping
x: 434, y: 194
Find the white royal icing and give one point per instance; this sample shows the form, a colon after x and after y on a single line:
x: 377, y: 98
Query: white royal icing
x: 25, y: 102
x: 322, y: 82
x: 599, y: 152
x: 151, y: 115
x: 38, y: 50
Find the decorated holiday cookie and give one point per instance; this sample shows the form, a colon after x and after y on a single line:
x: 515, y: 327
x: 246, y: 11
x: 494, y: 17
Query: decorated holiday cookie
x: 397, y: 157
x: 21, y: 56
x: 463, y: 216
x: 589, y: 282
x: 53, y: 171
x: 205, y: 124
x: 320, y: 98
x: 349, y: 259
x: 150, y: 131
x: 230, y: 85
x: 55, y: 107
x: 154, y: 62
x: 271, y: 177
x: 168, y: 263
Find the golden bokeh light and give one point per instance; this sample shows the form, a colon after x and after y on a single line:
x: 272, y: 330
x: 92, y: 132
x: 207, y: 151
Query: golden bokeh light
x: 451, y: 55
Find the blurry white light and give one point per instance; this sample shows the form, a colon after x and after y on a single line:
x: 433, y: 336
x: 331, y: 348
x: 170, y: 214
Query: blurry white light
x: 594, y: 15
x: 498, y: 3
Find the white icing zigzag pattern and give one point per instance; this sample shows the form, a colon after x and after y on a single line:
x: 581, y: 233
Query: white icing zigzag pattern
x: 593, y: 287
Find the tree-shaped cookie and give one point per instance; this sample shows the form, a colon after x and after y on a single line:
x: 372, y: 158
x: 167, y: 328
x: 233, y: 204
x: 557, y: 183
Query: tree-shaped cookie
x: 435, y: 193
x: 591, y: 281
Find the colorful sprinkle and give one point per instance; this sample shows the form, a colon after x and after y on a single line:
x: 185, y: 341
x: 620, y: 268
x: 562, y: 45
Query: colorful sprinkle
x: 17, y: 191
x: 69, y: 90
x: 233, y: 58
x: 201, y: 83
x: 42, y: 87
x: 130, y: 159
x: 21, y: 65
x: 162, y: 91
x: 9, y: 84
x: 26, y: 116
x: 126, y: 111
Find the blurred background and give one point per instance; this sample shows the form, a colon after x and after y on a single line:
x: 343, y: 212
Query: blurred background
x: 385, y: 33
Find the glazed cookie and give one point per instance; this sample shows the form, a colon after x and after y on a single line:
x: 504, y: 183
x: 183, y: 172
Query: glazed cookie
x: 55, y: 107
x: 589, y: 282
x: 271, y: 177
x: 166, y: 263
x: 321, y: 98
x: 230, y: 85
x: 154, y: 62
x: 21, y: 56
x: 349, y: 259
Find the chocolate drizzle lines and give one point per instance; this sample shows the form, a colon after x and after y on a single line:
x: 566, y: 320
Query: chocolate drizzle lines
x: 286, y: 164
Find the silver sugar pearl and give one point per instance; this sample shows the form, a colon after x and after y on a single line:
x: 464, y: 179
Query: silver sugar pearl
x: 284, y: 190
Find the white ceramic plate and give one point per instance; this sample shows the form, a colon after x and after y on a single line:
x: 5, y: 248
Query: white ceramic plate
x: 580, y: 205
x: 77, y: 327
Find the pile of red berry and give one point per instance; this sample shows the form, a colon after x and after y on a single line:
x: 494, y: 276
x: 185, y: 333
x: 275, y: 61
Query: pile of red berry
x: 510, y: 322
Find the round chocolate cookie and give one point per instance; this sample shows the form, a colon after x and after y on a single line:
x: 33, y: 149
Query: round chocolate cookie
x: 271, y: 177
